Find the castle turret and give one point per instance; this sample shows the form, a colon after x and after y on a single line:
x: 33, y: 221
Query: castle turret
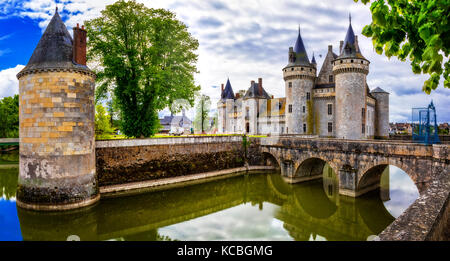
x: 350, y: 69
x: 225, y: 106
x: 381, y: 112
x: 299, y: 77
x: 57, y: 144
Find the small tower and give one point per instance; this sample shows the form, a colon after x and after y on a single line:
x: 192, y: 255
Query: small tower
x: 57, y: 144
x: 350, y: 69
x: 225, y: 105
x: 299, y: 77
x: 381, y: 112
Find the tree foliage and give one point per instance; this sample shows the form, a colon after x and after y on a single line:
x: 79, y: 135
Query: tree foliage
x: 417, y: 30
x: 102, y: 122
x: 201, y: 120
x: 146, y: 58
x: 9, y: 117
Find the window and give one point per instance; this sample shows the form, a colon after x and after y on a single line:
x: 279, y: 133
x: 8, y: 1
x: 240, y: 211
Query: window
x: 308, y: 96
x: 290, y: 84
x: 304, y: 109
x: 330, y: 172
x: 287, y: 129
x: 282, y: 130
x: 363, y: 129
x: 330, y: 190
x: 363, y: 113
x: 280, y: 105
x: 302, y: 69
x: 330, y: 127
x: 351, y: 61
x: 304, y: 127
x: 330, y: 78
x: 330, y: 109
x: 290, y: 108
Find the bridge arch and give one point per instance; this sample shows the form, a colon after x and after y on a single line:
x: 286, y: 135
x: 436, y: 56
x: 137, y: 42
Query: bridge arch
x: 370, y: 175
x: 312, y: 167
x: 270, y: 160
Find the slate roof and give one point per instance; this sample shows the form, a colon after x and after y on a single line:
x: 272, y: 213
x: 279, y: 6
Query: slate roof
x: 175, y: 120
x: 254, y: 92
x: 301, y: 57
x: 228, y: 91
x: 378, y: 89
x: 54, y: 50
x: 350, y: 48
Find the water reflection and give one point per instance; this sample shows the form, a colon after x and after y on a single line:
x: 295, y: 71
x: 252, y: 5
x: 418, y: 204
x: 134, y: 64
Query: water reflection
x: 247, y: 207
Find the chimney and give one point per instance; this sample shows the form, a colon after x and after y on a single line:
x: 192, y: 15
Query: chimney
x: 330, y: 48
x: 260, y: 86
x: 252, y: 83
x: 222, y: 87
x: 79, y: 45
x: 238, y: 95
x: 341, y: 43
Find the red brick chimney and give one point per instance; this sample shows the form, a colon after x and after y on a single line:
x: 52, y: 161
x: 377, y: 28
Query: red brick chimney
x: 79, y: 45
x: 260, y: 90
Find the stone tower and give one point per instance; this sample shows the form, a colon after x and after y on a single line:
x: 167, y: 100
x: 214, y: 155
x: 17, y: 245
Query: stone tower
x: 350, y: 69
x: 299, y: 77
x: 225, y: 105
x: 382, y: 112
x: 57, y: 143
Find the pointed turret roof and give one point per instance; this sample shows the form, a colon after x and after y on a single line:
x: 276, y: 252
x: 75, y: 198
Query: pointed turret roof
x: 378, y: 89
x: 313, y: 60
x: 228, y: 91
x: 54, y: 50
x: 301, y: 57
x: 350, y: 48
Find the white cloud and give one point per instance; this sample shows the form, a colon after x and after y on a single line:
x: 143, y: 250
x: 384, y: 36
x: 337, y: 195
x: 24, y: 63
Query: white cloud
x: 9, y: 85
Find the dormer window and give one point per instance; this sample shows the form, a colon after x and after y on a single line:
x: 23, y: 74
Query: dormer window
x: 330, y: 78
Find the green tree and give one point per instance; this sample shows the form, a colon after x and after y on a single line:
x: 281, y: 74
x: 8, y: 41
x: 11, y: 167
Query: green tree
x: 9, y: 117
x: 102, y: 122
x: 146, y: 58
x: 201, y: 120
x: 418, y: 30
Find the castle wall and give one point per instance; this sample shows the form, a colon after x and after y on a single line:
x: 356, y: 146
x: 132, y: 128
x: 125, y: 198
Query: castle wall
x: 321, y: 116
x: 57, y: 144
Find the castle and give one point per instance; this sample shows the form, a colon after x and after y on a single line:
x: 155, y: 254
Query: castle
x: 335, y: 103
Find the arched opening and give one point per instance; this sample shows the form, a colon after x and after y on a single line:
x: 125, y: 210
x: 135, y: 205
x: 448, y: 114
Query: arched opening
x: 270, y: 160
x: 396, y: 188
x: 313, y: 168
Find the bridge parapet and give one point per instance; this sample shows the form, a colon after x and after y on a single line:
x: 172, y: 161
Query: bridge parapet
x: 357, y: 163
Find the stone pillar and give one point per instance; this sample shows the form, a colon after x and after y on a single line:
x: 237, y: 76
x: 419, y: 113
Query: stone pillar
x: 347, y: 181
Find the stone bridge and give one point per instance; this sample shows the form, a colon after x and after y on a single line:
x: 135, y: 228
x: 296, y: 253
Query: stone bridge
x: 358, y: 164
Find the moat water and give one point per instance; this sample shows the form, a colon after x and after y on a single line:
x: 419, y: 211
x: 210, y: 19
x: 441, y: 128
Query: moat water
x: 243, y: 207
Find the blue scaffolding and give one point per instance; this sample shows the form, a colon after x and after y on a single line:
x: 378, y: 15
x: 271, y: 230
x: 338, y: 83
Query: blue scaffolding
x: 424, y: 125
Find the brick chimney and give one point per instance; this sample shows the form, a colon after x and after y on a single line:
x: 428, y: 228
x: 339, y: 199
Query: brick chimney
x: 330, y: 48
x: 79, y: 45
x: 222, y: 87
x: 260, y: 90
x: 356, y: 43
x: 341, y: 43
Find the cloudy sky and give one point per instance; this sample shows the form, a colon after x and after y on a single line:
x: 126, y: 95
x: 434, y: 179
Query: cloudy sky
x: 242, y: 40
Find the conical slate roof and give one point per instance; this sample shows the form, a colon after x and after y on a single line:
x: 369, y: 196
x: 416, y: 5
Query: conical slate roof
x: 54, y: 50
x: 378, y: 89
x: 350, y: 48
x: 228, y: 91
x: 301, y: 57
x: 313, y: 60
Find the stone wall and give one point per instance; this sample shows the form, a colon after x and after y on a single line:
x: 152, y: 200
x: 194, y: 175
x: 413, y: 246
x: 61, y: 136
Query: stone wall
x: 124, y: 161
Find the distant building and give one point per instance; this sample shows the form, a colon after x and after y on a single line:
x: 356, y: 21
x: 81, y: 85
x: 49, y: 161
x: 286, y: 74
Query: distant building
x: 400, y: 128
x: 336, y: 102
x: 176, y: 124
